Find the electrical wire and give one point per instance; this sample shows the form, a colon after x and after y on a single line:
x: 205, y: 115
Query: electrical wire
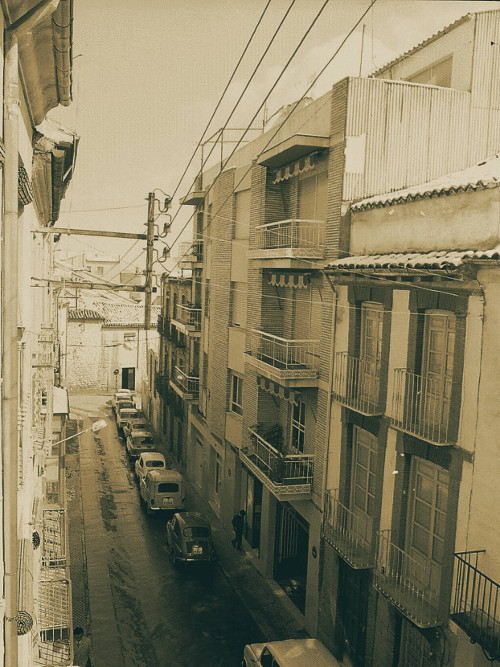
x: 292, y: 110
x: 283, y: 70
x: 221, y: 97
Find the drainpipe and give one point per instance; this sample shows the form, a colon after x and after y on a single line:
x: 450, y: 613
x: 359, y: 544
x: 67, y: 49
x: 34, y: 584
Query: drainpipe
x: 9, y: 308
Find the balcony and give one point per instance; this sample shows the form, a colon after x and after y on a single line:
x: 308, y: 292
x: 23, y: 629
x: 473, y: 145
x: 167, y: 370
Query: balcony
x: 43, y: 356
x: 191, y: 253
x: 411, y: 585
x: 54, y: 538
x: 188, y: 319
x: 55, y: 621
x: 421, y: 406
x: 350, y: 533
x: 186, y: 386
x: 287, y: 476
x: 289, y: 243
x: 357, y: 384
x: 291, y: 363
x: 476, y: 603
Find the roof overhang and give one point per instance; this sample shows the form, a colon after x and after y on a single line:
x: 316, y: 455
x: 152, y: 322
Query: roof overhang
x: 193, y: 198
x: 293, y: 148
x: 45, y: 58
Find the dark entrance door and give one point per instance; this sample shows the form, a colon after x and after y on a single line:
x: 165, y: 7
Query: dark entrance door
x: 128, y: 378
x: 354, y: 587
x: 292, y: 543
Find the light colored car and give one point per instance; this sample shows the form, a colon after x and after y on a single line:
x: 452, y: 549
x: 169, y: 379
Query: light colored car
x: 162, y: 490
x: 149, y: 461
x: 189, y: 538
x: 137, y: 423
x: 141, y: 441
x: 123, y: 403
x: 122, y: 393
x: 288, y: 653
x: 123, y: 413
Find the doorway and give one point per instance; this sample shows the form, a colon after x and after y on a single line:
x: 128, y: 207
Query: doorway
x: 292, y: 544
x: 128, y: 378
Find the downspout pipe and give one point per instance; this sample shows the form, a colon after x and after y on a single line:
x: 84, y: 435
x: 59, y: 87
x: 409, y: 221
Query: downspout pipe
x: 9, y: 308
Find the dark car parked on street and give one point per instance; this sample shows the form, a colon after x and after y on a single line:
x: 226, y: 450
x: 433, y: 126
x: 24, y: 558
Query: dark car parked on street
x: 189, y: 538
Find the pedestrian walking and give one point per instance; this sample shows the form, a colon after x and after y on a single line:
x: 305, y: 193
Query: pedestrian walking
x: 238, y: 523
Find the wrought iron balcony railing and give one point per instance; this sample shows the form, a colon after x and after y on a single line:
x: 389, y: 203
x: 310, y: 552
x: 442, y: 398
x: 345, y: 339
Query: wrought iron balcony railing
x: 411, y: 584
x: 351, y: 533
x: 476, y: 603
x: 192, y: 252
x: 55, y: 621
x: 422, y: 406
x: 189, y: 385
x: 288, y: 358
x: 357, y: 383
x: 283, y: 474
x: 54, y: 538
x: 292, y: 238
x: 189, y: 316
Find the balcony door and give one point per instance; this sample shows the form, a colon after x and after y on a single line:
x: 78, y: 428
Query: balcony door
x: 372, y: 315
x: 437, y: 370
x: 363, y: 483
x: 426, y: 526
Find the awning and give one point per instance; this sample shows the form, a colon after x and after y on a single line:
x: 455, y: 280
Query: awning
x: 297, y: 280
x: 61, y: 401
x: 277, y: 390
x: 295, y: 168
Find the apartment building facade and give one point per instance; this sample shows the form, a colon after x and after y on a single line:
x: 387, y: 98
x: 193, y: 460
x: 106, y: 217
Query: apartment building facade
x: 280, y: 427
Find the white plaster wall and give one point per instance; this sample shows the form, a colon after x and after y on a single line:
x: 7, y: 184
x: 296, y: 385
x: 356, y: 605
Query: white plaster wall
x: 462, y: 221
x: 392, y: 468
x: 471, y: 373
x: 398, y: 351
x: 342, y: 320
x: 335, y: 445
x: 236, y: 357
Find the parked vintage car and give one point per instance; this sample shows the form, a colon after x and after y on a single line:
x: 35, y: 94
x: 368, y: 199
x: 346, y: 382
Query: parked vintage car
x: 288, y: 653
x: 123, y: 402
x: 137, y: 423
x: 123, y: 413
x: 189, y: 539
x: 162, y: 490
x: 149, y: 461
x: 141, y: 441
x: 122, y: 395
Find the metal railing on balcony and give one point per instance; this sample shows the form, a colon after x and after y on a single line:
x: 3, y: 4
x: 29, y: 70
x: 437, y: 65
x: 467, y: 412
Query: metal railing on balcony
x: 350, y: 533
x: 280, y: 470
x: 55, y: 645
x: 305, y: 237
x: 190, y: 316
x: 192, y: 252
x: 476, y: 603
x: 54, y: 538
x: 412, y: 585
x: 422, y: 406
x: 288, y: 355
x: 189, y: 384
x: 357, y: 383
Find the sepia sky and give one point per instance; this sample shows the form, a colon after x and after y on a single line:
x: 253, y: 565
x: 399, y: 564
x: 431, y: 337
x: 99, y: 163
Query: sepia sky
x: 147, y: 76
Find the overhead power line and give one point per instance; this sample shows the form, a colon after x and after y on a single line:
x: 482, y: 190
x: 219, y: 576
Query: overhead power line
x: 222, y: 97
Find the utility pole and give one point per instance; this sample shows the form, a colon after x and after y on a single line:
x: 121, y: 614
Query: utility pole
x: 150, y: 231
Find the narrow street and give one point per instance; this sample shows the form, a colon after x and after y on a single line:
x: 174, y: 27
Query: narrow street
x: 143, y: 612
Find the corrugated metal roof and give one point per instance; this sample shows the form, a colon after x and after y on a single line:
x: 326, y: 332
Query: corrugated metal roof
x: 436, y: 259
x: 84, y: 314
x: 485, y: 174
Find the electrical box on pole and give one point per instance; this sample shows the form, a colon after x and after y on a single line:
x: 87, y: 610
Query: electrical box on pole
x: 149, y: 260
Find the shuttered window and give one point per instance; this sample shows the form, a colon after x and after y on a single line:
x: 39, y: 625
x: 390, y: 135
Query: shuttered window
x: 312, y: 197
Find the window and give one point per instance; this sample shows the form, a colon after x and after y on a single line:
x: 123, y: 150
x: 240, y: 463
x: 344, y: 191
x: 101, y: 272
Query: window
x: 364, y: 469
x: 218, y: 475
x: 100, y: 270
x: 238, y: 304
x: 242, y: 217
x: 438, y: 74
x: 298, y: 426
x: 236, y: 394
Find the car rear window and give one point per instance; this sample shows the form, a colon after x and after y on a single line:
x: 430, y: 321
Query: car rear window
x: 154, y: 464
x: 168, y: 487
x: 196, y: 531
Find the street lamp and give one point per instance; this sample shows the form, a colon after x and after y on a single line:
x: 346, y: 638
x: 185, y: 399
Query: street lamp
x: 96, y: 426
